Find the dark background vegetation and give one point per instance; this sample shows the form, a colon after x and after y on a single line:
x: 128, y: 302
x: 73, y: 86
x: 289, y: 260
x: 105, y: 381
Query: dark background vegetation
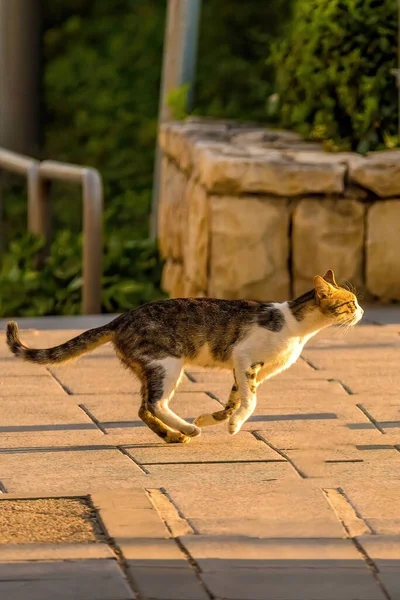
x: 328, y: 61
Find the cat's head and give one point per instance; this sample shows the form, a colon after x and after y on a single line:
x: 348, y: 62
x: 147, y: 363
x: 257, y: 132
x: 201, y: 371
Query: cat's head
x: 335, y: 303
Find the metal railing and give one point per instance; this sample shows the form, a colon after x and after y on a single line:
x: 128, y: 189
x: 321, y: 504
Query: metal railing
x: 38, y: 174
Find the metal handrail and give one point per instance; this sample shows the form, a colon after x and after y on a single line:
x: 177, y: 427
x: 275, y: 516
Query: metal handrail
x: 38, y: 174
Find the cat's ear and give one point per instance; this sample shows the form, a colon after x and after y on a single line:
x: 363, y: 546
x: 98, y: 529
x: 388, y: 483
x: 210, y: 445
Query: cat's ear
x: 322, y: 287
x: 330, y: 278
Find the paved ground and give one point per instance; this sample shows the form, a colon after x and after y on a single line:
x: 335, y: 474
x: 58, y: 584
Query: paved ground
x: 304, y: 504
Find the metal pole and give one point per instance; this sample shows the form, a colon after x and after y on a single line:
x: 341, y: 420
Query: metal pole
x: 19, y: 74
x: 179, y: 65
x: 92, y: 242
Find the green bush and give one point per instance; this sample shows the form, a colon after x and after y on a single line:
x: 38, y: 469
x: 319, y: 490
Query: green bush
x: 131, y: 272
x: 233, y: 79
x: 334, y: 73
x: 101, y: 89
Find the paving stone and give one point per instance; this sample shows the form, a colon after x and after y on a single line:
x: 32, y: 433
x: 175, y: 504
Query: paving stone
x: 11, y: 367
x: 154, y: 552
x: 99, y: 381
x: 385, y: 552
x: 50, y: 552
x: 209, y: 447
x: 378, y: 501
x: 246, y: 514
x: 163, y: 583
x: 388, y: 385
x: 27, y: 412
x: 54, y: 472
x: 72, y: 436
x: 266, y: 509
x: 30, y: 386
x: 222, y: 553
x: 66, y: 580
x: 294, y: 584
x: 220, y: 473
x: 128, y: 516
x: 305, y: 436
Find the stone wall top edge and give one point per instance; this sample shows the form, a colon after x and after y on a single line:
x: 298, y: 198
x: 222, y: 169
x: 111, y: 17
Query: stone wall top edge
x: 197, y: 141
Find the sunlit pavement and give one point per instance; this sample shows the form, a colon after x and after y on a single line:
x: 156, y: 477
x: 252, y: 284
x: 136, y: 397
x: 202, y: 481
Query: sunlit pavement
x: 303, y: 504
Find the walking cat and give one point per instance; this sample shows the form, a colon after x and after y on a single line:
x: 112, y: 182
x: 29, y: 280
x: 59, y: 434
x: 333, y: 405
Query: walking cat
x: 255, y: 340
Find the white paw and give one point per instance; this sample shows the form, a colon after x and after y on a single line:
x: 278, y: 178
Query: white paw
x: 234, y: 427
x: 193, y: 431
x: 204, y: 420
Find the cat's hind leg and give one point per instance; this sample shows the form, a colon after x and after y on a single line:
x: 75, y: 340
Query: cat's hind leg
x: 221, y: 415
x: 151, y: 381
x: 162, y: 377
x: 247, y: 381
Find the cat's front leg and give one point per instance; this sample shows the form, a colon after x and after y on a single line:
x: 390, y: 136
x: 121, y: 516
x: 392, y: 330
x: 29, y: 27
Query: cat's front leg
x: 219, y: 416
x: 247, y: 382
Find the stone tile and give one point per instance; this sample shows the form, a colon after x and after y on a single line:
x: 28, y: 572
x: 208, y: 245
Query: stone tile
x: 306, y: 436
x: 50, y: 552
x: 56, y: 472
x: 225, y: 553
x: 335, y: 414
x: 279, y: 509
x: 211, y: 446
x: 294, y: 584
x: 30, y: 386
x: 341, y: 472
x: 365, y: 384
x: 128, y: 516
x: 156, y: 552
x: 19, y: 413
x: 378, y: 501
x: 163, y: 583
x: 384, y: 550
x: 220, y: 474
x: 66, y: 580
x: 13, y: 367
x: 99, y: 381
x: 73, y: 437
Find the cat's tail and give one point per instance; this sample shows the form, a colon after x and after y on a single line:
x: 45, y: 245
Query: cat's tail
x: 85, y: 342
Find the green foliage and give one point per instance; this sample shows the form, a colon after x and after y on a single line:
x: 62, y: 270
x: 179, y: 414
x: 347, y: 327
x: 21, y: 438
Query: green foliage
x: 233, y: 79
x: 177, y: 102
x: 131, y: 276
x: 101, y: 88
x: 334, y: 73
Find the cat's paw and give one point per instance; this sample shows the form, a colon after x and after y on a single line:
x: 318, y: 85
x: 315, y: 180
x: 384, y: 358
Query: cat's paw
x: 204, y: 420
x: 234, y: 426
x: 193, y: 431
x: 174, y: 437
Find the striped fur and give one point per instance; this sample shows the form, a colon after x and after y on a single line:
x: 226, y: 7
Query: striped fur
x: 83, y: 343
x: 254, y: 340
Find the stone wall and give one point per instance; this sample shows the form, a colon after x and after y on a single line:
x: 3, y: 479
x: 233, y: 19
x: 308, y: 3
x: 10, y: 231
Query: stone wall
x: 248, y: 212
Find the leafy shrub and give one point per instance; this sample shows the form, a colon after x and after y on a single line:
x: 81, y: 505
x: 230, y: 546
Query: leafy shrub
x: 334, y: 73
x: 233, y: 78
x: 131, y: 275
x: 101, y: 90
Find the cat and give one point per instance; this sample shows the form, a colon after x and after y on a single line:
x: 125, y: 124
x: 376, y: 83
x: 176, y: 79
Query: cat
x: 253, y: 339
